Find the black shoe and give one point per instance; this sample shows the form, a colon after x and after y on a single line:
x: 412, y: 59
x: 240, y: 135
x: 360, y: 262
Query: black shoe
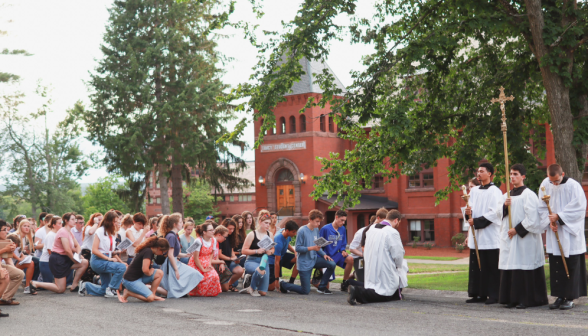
x: 351, y: 297
x: 282, y: 289
x: 521, y: 306
x: 292, y: 280
x: 557, y: 303
x: 3, y: 315
x: 477, y: 299
x: 247, y: 281
x: 510, y: 305
x: 567, y: 304
x: 491, y: 301
x: 344, y: 285
x: 325, y: 291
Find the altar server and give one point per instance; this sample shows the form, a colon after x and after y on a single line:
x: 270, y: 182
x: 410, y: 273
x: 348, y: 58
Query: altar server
x: 522, y: 277
x: 568, y: 206
x: 485, y: 215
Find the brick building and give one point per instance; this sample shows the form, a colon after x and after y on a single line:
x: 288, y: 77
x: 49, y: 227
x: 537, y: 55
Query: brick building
x: 287, y: 159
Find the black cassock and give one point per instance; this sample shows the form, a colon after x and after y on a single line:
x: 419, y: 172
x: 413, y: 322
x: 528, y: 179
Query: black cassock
x: 561, y: 286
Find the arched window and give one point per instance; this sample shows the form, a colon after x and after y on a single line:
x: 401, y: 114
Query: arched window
x: 302, y: 123
x: 285, y: 175
x: 322, y: 123
x: 360, y: 221
x: 292, y: 124
x: 331, y: 125
x: 282, y: 125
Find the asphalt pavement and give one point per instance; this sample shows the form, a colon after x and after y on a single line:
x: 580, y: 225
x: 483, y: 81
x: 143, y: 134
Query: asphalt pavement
x: 421, y: 313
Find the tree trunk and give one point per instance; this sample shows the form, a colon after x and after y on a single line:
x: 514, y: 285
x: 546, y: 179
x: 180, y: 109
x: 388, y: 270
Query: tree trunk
x: 582, y: 150
x: 558, y: 96
x: 177, y: 188
x: 163, y: 189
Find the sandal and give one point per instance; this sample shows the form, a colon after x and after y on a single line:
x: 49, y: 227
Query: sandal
x: 233, y: 289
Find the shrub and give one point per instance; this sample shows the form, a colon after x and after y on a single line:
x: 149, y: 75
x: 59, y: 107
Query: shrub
x: 428, y: 246
x: 415, y: 240
x: 460, y: 247
x: 458, y: 239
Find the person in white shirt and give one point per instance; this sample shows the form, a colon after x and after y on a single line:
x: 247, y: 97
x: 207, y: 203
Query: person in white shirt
x: 53, y: 226
x: 385, y: 269
x: 41, y: 233
x: 484, y: 214
x: 104, y: 261
x: 88, y: 235
x: 522, y: 277
x: 136, y: 234
x: 568, y: 206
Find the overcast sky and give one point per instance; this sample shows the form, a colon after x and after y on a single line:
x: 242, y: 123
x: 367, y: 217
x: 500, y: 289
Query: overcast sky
x: 64, y: 37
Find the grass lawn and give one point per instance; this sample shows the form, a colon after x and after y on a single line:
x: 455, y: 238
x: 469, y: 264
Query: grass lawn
x: 450, y: 281
x: 426, y: 268
x: 431, y: 258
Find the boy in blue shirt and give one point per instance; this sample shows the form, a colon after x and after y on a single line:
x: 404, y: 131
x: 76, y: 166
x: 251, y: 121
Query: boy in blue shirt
x: 281, y: 257
x: 337, y: 233
x: 310, y: 256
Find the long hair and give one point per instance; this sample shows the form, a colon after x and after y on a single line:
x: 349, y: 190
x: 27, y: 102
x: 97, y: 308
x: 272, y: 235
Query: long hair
x: 127, y: 221
x: 67, y: 216
x: 29, y: 235
x: 202, y: 227
x: 90, y: 222
x: 153, y: 241
x: 233, y: 236
x: 165, y: 227
x: 108, y: 222
x: 54, y: 220
x: 246, y: 214
x: 262, y: 216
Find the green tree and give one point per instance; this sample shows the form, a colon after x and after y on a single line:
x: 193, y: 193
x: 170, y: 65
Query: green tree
x: 425, y: 91
x: 200, y: 203
x: 6, y: 77
x: 43, y: 164
x: 154, y: 92
x: 101, y: 197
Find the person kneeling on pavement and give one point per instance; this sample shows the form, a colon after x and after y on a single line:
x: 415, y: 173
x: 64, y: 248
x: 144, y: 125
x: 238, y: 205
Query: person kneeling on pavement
x: 385, y: 268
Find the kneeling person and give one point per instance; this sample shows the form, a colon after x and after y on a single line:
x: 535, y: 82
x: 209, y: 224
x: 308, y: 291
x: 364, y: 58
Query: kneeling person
x: 337, y: 233
x: 385, y: 274
x: 281, y: 257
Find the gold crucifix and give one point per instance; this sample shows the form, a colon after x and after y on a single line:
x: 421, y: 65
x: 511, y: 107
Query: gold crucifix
x: 502, y: 98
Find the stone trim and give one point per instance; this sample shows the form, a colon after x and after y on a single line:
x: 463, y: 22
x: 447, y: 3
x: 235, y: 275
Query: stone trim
x: 270, y: 185
x: 307, y: 134
x: 412, y: 190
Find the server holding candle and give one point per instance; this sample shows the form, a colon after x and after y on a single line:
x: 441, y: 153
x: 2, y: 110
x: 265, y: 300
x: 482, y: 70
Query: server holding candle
x: 568, y: 210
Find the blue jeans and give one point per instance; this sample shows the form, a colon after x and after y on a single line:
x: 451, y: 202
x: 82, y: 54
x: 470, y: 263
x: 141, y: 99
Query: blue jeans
x: 46, y: 272
x: 258, y: 282
x: 305, y: 276
x: 138, y: 286
x: 185, y: 260
x: 129, y: 260
x: 111, y: 274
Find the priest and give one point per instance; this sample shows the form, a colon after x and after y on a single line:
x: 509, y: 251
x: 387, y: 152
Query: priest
x: 522, y: 277
x: 484, y: 214
x: 568, y: 207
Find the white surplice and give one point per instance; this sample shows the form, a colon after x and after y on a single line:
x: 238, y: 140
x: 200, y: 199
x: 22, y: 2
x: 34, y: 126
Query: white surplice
x: 522, y: 253
x: 486, y: 201
x: 568, y: 200
x: 385, y: 270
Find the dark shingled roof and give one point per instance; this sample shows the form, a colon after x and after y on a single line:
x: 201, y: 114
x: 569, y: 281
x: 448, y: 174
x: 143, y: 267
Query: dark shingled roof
x: 307, y: 81
x: 366, y: 202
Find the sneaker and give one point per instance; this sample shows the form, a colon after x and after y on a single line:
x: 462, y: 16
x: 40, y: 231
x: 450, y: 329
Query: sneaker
x: 325, y: 291
x: 247, y: 281
x: 344, y: 285
x: 27, y: 290
x: 82, y: 288
x: 255, y: 293
x: 108, y: 293
x: 282, y: 287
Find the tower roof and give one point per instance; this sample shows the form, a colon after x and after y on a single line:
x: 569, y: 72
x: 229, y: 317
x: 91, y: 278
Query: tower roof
x: 307, y: 83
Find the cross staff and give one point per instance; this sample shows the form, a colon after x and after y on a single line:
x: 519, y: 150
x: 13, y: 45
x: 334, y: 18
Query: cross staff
x: 546, y: 199
x: 502, y: 98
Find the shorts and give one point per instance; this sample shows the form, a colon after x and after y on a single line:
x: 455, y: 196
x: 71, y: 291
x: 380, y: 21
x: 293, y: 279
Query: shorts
x: 60, y: 265
x: 138, y: 286
x: 339, y: 260
x: 285, y: 261
x: 232, y: 266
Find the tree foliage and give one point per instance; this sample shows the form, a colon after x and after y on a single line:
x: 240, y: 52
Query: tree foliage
x: 424, y: 93
x: 154, y: 92
x: 102, y: 196
x: 199, y: 203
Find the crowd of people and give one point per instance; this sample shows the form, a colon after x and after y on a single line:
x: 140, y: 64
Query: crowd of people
x: 121, y: 256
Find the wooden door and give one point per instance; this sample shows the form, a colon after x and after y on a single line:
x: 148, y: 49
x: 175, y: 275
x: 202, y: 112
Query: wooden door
x: 285, y: 196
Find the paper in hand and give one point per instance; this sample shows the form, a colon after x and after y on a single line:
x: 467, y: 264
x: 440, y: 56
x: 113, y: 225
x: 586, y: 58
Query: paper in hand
x: 76, y: 257
x: 124, y: 244
x: 266, y: 243
x: 194, y: 247
x: 27, y: 260
x: 322, y: 242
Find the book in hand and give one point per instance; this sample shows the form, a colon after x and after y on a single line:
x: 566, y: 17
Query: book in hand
x: 124, y: 244
x: 77, y: 258
x: 322, y: 242
x: 194, y: 246
x: 266, y: 243
x: 26, y: 260
x: 241, y: 257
